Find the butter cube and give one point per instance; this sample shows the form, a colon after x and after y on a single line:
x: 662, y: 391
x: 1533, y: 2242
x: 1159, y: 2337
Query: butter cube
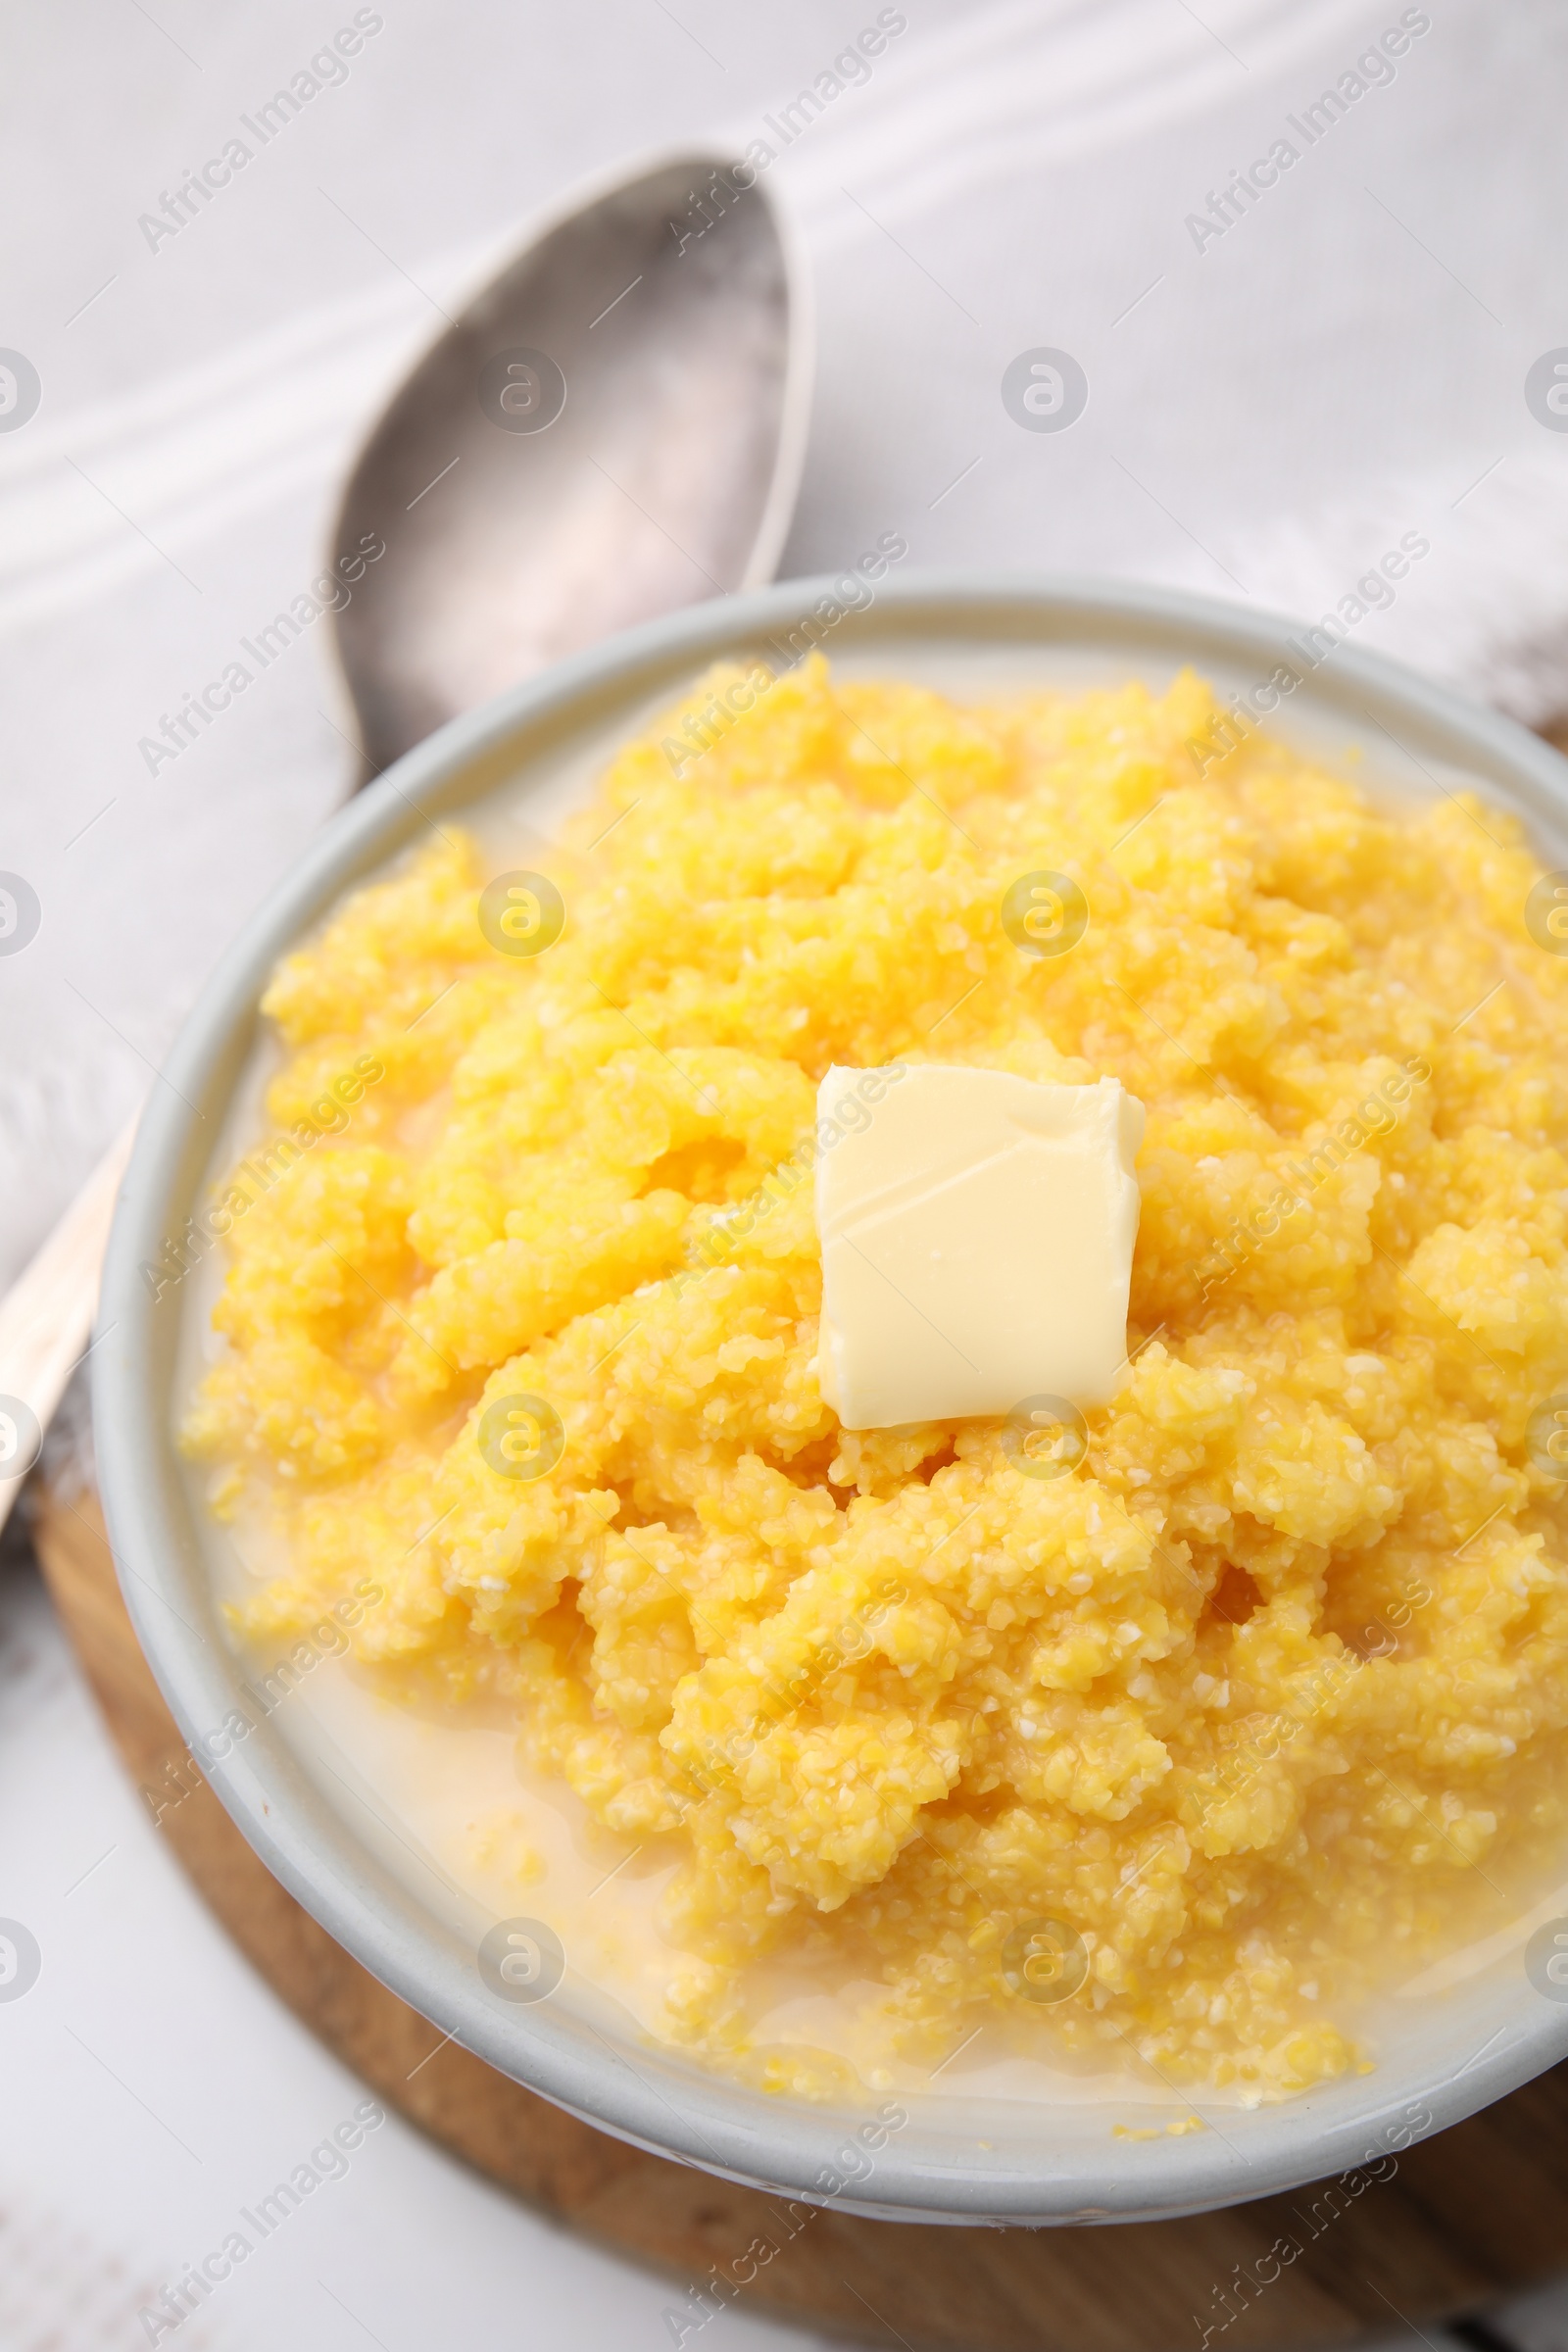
x: 977, y: 1236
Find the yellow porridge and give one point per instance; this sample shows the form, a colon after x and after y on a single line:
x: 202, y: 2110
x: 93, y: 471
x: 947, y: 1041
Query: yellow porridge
x: 1162, y: 1753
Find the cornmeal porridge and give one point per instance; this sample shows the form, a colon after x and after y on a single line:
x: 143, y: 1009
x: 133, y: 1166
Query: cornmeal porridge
x: 1165, y: 1748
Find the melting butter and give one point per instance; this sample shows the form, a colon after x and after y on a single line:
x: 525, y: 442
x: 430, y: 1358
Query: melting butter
x: 977, y: 1236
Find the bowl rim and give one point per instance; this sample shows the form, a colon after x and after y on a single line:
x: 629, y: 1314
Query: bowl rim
x: 655, y: 2100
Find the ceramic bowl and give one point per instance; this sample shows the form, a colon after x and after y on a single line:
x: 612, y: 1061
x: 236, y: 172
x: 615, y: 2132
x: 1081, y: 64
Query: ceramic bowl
x: 957, y: 2157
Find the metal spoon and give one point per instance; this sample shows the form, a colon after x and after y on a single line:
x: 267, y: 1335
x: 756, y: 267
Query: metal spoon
x: 610, y: 428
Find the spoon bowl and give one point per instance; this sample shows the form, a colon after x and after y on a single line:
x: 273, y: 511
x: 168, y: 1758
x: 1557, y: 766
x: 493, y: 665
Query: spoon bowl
x: 612, y: 428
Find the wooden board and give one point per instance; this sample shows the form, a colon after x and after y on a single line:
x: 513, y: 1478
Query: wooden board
x: 1473, y: 2214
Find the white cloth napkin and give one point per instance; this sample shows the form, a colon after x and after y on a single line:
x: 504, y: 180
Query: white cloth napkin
x: 1282, y: 384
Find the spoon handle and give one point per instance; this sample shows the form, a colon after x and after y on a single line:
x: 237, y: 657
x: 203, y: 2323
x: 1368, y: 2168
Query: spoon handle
x: 46, y: 1315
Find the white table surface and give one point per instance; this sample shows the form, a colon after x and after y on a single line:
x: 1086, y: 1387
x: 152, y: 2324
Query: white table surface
x: 1266, y: 416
